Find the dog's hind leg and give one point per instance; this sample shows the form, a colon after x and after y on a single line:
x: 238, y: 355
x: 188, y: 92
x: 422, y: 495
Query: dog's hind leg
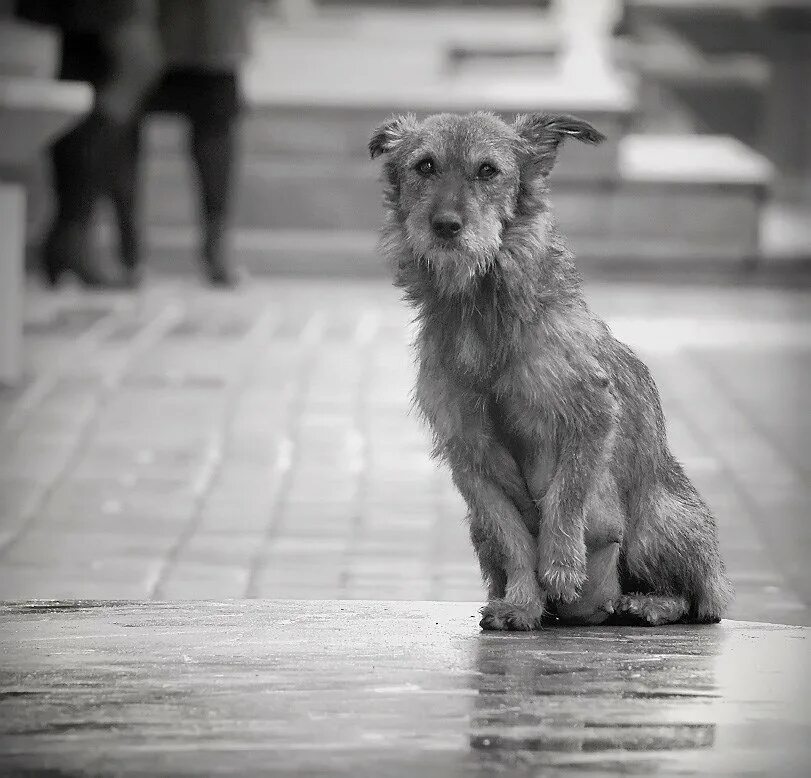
x: 600, y: 592
x: 671, y: 549
x: 562, y: 548
x: 604, y: 527
x: 650, y: 609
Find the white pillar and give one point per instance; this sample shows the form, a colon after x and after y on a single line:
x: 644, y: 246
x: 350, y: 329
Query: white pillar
x: 587, y: 27
x: 12, y: 266
x: 296, y: 11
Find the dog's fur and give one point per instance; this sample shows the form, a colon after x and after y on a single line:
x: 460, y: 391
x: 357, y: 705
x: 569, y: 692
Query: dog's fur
x: 552, y: 428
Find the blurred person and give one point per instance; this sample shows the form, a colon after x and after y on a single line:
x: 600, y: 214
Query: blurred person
x: 111, y: 44
x: 204, y: 43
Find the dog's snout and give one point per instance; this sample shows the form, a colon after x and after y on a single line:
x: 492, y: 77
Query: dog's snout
x: 446, y: 224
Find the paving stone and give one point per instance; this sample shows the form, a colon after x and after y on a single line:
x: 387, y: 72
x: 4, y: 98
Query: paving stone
x: 180, y: 463
x: 204, y: 580
x: 235, y: 515
x: 263, y: 442
x: 164, y: 500
x: 22, y: 582
x: 38, y: 458
x: 84, y: 549
x: 220, y: 548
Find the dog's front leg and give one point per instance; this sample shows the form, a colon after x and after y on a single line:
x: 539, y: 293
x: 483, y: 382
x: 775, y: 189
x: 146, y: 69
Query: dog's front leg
x: 561, y: 540
x: 505, y: 548
x: 499, y: 505
x: 496, y: 494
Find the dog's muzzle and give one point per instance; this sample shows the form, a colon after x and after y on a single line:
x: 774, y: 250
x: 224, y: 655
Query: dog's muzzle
x: 446, y: 225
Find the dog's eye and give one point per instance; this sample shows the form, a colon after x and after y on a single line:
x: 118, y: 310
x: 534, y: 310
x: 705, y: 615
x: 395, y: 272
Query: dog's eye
x: 486, y: 172
x: 425, y: 167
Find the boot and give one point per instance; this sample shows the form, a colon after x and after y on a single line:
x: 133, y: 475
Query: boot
x: 214, y: 256
x: 130, y: 251
x: 68, y: 248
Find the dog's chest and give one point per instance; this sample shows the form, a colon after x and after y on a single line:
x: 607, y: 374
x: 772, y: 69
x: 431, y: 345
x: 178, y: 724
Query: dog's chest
x: 531, y: 436
x: 469, y: 352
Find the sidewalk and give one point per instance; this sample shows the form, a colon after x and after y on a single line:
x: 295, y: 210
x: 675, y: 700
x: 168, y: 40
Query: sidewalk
x: 391, y: 690
x: 184, y: 443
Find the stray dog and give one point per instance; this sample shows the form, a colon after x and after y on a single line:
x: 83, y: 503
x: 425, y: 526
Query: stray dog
x: 552, y: 428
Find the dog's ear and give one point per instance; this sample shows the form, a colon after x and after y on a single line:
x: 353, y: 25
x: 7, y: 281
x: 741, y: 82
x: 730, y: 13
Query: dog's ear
x: 542, y: 135
x: 391, y: 133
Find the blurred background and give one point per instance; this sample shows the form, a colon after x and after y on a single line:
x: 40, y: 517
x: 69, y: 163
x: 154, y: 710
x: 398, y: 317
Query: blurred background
x: 205, y: 370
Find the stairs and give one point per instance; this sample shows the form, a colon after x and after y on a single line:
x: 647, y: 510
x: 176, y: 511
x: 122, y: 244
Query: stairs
x: 308, y: 196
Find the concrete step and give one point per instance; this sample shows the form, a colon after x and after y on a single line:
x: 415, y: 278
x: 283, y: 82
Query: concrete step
x: 344, y: 253
x: 279, y: 195
x: 709, y: 65
x: 331, y: 133
x: 680, y: 194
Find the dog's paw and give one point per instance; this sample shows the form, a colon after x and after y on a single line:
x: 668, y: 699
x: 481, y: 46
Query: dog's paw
x: 651, y: 611
x: 506, y: 616
x: 563, y: 582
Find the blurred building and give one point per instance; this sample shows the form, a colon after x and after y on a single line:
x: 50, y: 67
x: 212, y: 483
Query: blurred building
x: 703, y: 104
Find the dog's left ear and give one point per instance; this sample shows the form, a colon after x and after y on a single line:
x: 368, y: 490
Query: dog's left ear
x: 391, y: 133
x: 543, y: 134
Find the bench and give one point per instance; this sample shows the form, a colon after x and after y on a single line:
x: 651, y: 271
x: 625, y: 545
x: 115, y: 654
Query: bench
x: 33, y: 112
x: 390, y: 688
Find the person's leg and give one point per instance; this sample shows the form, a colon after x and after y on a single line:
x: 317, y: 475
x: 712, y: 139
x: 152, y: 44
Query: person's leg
x: 213, y: 144
x: 124, y: 187
x: 75, y: 163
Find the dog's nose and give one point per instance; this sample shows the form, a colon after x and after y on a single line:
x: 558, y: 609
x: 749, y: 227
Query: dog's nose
x: 446, y: 224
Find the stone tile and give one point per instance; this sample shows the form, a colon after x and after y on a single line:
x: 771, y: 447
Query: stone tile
x: 88, y: 550
x: 161, y: 500
x: 40, y: 459
x: 16, y: 494
x: 109, y: 578
x: 126, y: 462
x: 203, y: 580
x: 221, y: 548
x: 310, y: 475
x: 235, y: 516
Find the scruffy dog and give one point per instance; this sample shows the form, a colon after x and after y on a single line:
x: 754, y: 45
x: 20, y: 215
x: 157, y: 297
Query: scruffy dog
x: 552, y: 428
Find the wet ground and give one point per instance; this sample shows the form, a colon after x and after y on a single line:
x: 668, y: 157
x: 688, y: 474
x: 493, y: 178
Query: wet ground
x: 391, y: 689
x: 182, y: 443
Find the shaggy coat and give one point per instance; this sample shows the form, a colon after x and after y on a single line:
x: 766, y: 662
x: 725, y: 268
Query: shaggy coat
x: 552, y: 428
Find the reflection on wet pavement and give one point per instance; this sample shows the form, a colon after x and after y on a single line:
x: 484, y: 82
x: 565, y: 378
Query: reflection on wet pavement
x: 391, y: 689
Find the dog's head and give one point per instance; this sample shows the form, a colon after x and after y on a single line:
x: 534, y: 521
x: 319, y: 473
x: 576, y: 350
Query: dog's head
x: 455, y: 183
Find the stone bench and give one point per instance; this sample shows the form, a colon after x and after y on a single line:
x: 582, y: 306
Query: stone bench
x: 390, y: 688
x: 33, y: 111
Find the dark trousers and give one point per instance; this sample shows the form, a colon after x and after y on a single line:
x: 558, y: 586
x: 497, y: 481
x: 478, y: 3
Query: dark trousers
x: 79, y: 158
x: 89, y: 162
x: 100, y: 157
x: 212, y: 146
x: 209, y: 101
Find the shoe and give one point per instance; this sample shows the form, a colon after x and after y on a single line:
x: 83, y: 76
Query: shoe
x: 133, y: 277
x: 68, y: 249
x: 130, y: 251
x: 215, y: 265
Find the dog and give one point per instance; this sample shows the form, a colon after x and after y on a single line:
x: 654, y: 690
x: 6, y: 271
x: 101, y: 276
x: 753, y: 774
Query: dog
x: 552, y: 428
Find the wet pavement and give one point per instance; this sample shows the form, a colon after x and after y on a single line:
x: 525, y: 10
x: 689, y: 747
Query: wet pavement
x: 183, y: 443
x: 391, y: 689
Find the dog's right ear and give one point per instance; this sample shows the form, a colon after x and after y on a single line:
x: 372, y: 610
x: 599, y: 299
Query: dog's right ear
x: 391, y: 133
x: 543, y: 134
